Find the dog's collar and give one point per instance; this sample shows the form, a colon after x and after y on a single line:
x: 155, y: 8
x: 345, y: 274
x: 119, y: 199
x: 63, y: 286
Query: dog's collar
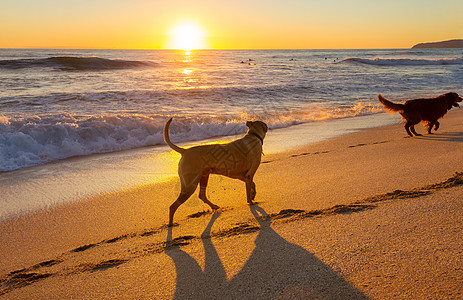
x: 257, y: 136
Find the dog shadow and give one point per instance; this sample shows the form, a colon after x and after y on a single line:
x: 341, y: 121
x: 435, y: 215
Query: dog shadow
x: 443, y: 137
x: 276, y: 269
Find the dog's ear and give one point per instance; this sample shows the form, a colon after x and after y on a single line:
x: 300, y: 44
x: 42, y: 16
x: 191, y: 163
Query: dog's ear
x: 248, y: 124
x: 262, y: 125
x: 265, y: 126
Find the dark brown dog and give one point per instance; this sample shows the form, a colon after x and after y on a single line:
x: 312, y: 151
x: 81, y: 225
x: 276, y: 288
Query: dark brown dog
x: 427, y: 111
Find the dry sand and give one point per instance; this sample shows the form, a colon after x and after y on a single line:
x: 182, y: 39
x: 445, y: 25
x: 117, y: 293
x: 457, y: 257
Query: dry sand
x: 373, y: 214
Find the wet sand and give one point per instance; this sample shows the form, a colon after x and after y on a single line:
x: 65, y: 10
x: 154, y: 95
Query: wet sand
x: 373, y: 214
x: 78, y: 178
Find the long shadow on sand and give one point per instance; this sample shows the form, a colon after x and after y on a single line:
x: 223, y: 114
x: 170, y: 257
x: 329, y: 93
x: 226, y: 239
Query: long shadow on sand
x: 276, y: 269
x: 444, y: 137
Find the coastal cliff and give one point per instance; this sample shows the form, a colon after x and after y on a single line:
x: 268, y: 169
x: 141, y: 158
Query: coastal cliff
x: 443, y: 44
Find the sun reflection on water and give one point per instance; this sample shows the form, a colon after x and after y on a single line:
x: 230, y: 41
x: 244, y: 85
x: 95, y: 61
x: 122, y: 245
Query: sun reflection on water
x: 189, y: 75
x: 188, y: 57
x: 187, y: 71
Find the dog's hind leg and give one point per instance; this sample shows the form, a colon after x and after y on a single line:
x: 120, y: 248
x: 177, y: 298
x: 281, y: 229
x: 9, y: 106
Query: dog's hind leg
x: 187, y: 189
x: 202, y: 191
x: 407, y: 128
x: 173, y: 208
x: 436, y: 126
x: 410, y: 128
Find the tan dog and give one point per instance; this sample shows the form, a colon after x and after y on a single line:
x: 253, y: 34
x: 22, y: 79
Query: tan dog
x: 427, y: 111
x: 238, y: 159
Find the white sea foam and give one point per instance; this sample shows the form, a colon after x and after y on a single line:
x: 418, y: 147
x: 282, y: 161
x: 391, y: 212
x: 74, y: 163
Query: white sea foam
x: 28, y: 141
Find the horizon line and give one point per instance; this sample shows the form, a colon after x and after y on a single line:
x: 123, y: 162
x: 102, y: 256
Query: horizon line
x: 199, y: 49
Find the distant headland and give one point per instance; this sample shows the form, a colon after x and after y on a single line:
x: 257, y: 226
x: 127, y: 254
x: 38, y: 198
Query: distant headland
x: 444, y: 44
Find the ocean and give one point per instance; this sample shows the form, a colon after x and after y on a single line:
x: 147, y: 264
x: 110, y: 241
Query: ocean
x: 56, y: 104
x: 59, y: 104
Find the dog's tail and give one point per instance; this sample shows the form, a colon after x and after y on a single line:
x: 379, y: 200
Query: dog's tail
x: 388, y: 105
x: 167, y: 139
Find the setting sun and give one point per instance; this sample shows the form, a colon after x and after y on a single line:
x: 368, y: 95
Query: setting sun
x: 187, y: 36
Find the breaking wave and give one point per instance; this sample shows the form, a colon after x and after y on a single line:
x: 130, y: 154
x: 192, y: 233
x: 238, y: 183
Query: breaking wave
x: 32, y: 140
x: 71, y: 63
x: 405, y: 61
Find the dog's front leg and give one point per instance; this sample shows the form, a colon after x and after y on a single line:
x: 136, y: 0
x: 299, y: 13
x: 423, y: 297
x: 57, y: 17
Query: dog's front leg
x: 253, y: 191
x: 250, y: 188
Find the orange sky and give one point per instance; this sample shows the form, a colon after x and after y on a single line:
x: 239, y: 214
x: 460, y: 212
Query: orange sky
x: 239, y: 24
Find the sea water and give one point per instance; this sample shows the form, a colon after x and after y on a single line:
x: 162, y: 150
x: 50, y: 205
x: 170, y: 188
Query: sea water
x: 57, y: 104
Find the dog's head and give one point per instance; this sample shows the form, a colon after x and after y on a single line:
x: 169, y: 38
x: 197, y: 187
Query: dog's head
x: 453, y: 100
x: 258, y: 127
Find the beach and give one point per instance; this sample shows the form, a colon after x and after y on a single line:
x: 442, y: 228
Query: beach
x: 372, y: 214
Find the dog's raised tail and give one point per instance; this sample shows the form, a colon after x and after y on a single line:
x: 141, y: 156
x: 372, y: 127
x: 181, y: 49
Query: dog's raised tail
x: 167, y: 139
x: 388, y: 105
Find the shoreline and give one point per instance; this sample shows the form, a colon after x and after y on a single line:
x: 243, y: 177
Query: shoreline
x: 78, y: 178
x: 371, y: 214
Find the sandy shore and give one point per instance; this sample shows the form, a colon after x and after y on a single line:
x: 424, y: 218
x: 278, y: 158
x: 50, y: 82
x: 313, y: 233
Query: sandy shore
x: 373, y: 214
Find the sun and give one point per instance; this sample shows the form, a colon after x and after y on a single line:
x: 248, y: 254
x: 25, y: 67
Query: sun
x: 187, y: 36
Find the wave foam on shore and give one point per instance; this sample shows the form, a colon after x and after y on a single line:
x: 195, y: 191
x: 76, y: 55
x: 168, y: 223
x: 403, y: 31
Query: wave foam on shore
x: 34, y: 140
